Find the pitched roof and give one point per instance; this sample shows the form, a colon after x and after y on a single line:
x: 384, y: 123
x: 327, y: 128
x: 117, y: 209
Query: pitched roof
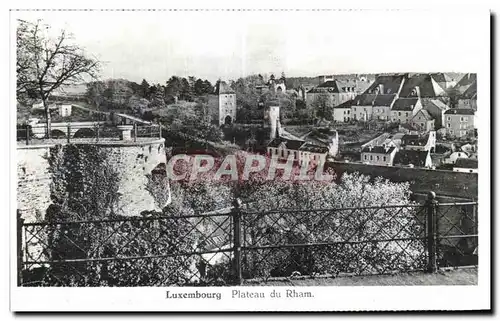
x: 224, y: 88
x: 414, y: 157
x: 426, y: 103
x: 378, y: 150
x: 466, y: 163
x: 384, y: 100
x: 407, y: 104
x: 364, y: 100
x: 308, y: 147
x: 425, y: 113
x: 334, y: 86
x: 289, y: 143
x: 459, y: 111
x: 421, y: 81
x: 441, y: 77
x: 467, y: 80
x: 345, y: 104
x: 414, y: 140
x: 390, y: 84
x: 471, y: 92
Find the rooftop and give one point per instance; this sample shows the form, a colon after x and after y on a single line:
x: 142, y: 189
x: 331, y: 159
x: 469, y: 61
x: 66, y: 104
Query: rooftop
x: 411, y: 157
x: 459, y: 111
x: 405, y: 104
x: 378, y: 150
x: 223, y: 88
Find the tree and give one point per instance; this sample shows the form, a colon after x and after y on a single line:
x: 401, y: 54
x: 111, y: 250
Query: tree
x: 199, y: 87
x: 208, y: 88
x: 144, y: 87
x: 96, y: 93
x: 45, y: 63
x: 322, y: 106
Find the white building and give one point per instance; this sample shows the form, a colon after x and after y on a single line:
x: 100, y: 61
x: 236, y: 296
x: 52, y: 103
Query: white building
x: 404, y: 109
x: 378, y: 155
x: 459, y: 122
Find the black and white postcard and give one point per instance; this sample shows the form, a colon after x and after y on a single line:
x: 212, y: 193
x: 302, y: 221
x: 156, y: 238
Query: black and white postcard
x: 250, y: 160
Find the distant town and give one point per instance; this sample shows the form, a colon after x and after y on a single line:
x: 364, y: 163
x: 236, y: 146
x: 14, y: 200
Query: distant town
x: 405, y: 119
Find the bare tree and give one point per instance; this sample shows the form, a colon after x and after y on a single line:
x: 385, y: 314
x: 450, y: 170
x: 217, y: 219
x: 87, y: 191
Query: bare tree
x: 46, y: 63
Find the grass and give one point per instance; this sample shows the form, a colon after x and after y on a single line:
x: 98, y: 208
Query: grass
x: 462, y: 276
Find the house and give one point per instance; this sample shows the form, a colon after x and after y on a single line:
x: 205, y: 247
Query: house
x: 378, y: 155
x: 466, y: 165
x: 417, y: 142
x: 413, y: 158
x: 459, y: 122
x: 300, y: 150
x: 362, y: 107
x: 64, y: 110
x: 469, y: 98
x: 404, y: 109
x: 342, y: 112
x: 377, y: 100
x: 382, y: 106
x: 453, y: 157
x: 436, y: 108
x: 423, y: 121
x: 332, y: 93
x: 324, y: 137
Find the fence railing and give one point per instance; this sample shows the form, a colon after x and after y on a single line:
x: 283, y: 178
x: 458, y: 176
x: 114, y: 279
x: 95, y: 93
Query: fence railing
x: 228, y: 248
x: 89, y: 131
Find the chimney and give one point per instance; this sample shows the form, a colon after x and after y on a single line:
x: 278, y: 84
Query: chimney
x: 381, y: 89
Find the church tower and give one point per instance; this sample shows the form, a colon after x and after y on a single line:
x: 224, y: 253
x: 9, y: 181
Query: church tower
x: 227, y: 103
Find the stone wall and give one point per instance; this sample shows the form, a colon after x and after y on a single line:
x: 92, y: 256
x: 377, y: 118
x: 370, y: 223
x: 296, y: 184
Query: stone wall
x: 33, y: 181
x: 421, y: 180
x: 133, y: 162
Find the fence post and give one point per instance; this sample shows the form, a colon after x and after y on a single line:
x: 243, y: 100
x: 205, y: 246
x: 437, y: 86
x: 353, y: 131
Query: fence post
x: 68, y: 132
x: 236, y: 213
x: 431, y: 204
x: 19, y: 227
x: 28, y: 134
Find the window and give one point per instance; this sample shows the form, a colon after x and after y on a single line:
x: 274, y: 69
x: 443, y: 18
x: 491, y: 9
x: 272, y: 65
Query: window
x: 466, y: 119
x: 366, y: 157
x: 406, y: 114
x: 385, y: 158
x: 448, y: 118
x: 451, y: 131
x: 371, y: 157
x: 399, y: 113
x: 461, y: 119
x: 378, y: 158
x: 448, y: 125
x: 419, y: 118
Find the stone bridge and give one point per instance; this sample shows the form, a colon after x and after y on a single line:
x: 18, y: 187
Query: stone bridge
x: 38, y: 130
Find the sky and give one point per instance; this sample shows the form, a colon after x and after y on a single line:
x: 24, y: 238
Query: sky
x: 229, y: 45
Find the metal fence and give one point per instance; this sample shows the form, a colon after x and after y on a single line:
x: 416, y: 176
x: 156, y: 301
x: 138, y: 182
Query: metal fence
x: 92, y: 132
x: 228, y: 248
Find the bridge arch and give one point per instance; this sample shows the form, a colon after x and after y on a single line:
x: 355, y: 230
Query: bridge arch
x: 57, y: 133
x: 84, y: 133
